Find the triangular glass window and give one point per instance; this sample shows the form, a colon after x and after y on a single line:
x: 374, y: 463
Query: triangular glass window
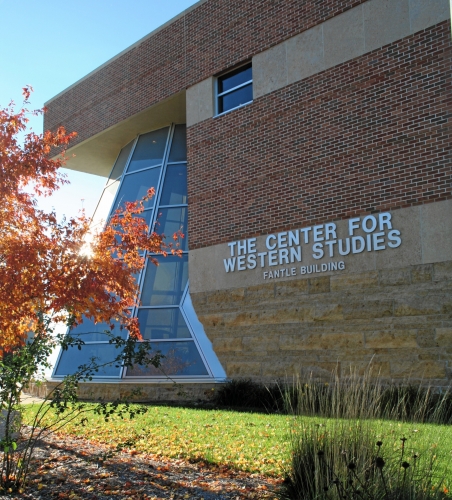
x: 166, y: 315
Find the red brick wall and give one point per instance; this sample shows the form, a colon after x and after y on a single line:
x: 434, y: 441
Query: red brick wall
x: 214, y: 36
x: 369, y: 135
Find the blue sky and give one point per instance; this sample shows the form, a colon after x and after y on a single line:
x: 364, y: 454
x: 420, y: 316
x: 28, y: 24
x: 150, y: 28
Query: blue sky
x: 50, y: 45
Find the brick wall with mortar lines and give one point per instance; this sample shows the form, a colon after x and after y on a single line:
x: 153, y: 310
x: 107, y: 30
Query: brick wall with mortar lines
x: 370, y: 135
x: 400, y: 319
x: 208, y: 39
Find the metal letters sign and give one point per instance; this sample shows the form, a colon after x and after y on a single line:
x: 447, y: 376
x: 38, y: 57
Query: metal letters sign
x: 284, y: 251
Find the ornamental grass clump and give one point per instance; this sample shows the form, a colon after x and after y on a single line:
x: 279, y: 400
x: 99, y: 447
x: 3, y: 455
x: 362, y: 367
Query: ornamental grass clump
x: 369, y: 396
x: 342, y: 461
x: 356, y: 447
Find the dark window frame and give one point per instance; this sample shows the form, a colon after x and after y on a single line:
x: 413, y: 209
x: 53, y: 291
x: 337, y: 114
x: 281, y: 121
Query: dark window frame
x: 219, y: 110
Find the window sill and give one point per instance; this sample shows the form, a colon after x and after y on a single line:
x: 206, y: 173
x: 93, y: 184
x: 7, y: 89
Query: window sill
x: 233, y: 109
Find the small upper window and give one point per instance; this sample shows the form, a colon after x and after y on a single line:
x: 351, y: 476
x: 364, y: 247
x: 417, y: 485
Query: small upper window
x: 234, y: 89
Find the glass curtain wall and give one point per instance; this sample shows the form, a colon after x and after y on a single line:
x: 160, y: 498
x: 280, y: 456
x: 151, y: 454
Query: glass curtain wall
x: 167, y: 319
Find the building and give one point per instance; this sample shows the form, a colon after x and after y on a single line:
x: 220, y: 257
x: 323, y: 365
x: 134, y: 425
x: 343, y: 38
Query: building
x: 318, y: 193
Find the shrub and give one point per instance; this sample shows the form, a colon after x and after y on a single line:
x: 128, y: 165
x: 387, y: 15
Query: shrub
x: 61, y: 406
x: 248, y: 394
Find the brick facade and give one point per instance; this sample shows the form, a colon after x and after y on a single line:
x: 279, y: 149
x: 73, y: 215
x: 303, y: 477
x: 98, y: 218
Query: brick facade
x: 366, y: 136
x: 205, y: 41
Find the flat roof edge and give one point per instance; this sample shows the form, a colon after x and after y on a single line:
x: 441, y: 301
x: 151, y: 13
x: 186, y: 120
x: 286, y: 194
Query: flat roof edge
x: 131, y: 47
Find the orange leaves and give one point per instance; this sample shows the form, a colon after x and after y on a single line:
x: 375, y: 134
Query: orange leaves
x: 43, y: 270
x: 26, y: 92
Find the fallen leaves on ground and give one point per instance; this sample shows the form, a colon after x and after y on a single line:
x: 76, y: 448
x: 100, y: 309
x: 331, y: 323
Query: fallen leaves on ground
x: 66, y: 467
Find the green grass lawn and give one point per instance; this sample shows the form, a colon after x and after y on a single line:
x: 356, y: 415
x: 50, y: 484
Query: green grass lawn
x: 252, y: 442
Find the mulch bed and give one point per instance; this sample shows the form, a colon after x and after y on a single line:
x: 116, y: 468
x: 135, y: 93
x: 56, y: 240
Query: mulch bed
x: 74, y: 468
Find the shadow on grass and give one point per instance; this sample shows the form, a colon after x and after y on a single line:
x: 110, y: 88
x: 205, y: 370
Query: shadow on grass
x: 67, y: 467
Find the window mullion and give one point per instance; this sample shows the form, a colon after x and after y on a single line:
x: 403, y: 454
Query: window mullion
x: 235, y: 88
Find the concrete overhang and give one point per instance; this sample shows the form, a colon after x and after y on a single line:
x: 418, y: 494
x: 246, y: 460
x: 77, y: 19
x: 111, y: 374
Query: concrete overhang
x: 97, y: 154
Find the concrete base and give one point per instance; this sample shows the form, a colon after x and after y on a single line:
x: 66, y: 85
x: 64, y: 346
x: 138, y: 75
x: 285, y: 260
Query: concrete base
x: 165, y: 392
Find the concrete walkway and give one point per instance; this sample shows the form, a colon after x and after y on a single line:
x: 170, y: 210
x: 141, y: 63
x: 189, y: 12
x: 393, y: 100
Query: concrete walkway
x: 28, y: 399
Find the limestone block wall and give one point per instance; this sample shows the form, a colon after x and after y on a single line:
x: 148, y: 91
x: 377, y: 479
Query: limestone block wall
x: 391, y: 306
x: 401, y: 319
x: 139, y: 393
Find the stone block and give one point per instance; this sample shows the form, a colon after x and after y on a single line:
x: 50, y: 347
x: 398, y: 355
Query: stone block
x: 236, y: 295
x: 343, y: 37
x: 39, y: 389
x: 305, y: 55
x: 223, y: 301
x: 405, y: 354
x: 269, y: 70
x: 328, y: 341
x: 418, y: 369
x: 424, y: 14
x: 391, y: 339
x: 430, y: 355
x: 404, y: 322
x: 317, y: 371
x: 426, y: 337
x: 329, y: 311
x: 265, y: 331
x: 443, y: 337
x: 385, y: 21
x: 366, y: 309
x: 319, y: 285
x: 227, y: 344
x: 285, y: 369
x: 434, y: 288
x: 422, y: 273
x: 164, y: 391
x: 293, y: 314
x: 260, y: 293
x: 206, y: 99
x: 356, y: 326
x: 354, y: 281
x: 395, y: 277
x: 409, y: 253
x: 200, y: 299
x: 260, y: 343
x: 243, y: 369
x: 442, y: 271
x: 240, y: 318
x: 127, y: 392
x: 436, y: 223
x: 211, y: 320
x: 289, y: 289
x: 372, y: 367
x: 426, y: 305
x: 192, y: 106
x: 200, y: 102
x: 203, y: 266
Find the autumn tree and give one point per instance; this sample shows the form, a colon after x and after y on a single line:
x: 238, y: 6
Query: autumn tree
x: 45, y: 267
x: 56, y: 271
